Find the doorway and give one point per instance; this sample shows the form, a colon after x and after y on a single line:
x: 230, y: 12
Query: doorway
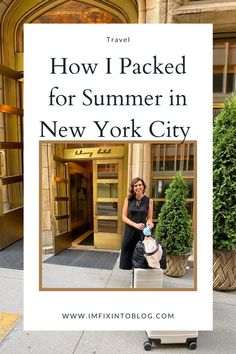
x: 81, y: 211
x: 87, y: 192
x: 95, y: 203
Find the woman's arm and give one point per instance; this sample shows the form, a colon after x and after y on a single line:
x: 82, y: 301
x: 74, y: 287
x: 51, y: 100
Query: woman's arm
x: 125, y: 218
x: 150, y: 214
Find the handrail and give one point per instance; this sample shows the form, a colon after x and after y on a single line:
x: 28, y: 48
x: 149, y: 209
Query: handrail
x: 11, y: 145
x: 11, y: 73
x: 11, y: 179
x: 5, y: 108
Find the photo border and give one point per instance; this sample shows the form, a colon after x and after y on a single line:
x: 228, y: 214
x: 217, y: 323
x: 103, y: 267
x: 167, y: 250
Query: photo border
x: 195, y: 253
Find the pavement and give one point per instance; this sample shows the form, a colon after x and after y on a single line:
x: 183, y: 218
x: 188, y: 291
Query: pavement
x: 75, y: 277
x: 16, y: 341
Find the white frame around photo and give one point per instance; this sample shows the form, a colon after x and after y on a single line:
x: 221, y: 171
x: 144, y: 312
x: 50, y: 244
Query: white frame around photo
x: 67, y: 68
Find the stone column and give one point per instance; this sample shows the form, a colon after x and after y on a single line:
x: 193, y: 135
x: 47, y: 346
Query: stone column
x: 153, y: 8
x: 160, y: 11
x: 141, y: 11
x: 171, y: 6
x: 139, y: 163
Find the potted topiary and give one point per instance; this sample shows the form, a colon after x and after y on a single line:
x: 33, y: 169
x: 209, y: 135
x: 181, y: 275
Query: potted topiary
x: 174, y: 227
x: 224, y: 197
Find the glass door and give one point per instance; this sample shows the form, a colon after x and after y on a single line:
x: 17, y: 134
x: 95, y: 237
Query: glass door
x: 11, y: 157
x: 11, y: 175
x: 107, y: 203
x: 61, y: 228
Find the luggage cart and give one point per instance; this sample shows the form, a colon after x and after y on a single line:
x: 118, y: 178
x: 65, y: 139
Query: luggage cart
x: 167, y: 337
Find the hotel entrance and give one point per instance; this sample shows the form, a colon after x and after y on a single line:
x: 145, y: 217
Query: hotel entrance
x: 88, y: 186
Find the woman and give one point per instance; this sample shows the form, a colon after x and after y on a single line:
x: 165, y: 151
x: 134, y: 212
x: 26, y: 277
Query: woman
x: 137, y: 212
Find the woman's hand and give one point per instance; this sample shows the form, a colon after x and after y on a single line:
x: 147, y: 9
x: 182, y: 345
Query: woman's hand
x: 150, y: 224
x: 139, y: 226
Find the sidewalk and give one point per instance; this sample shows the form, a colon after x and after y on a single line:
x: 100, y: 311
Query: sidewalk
x: 220, y: 341
x: 75, y: 277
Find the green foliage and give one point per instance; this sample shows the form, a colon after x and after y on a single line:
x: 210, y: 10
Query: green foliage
x: 224, y: 177
x: 174, y: 226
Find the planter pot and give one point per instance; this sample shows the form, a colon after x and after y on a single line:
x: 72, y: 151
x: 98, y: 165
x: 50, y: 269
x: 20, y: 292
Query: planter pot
x: 176, y: 265
x: 224, y: 270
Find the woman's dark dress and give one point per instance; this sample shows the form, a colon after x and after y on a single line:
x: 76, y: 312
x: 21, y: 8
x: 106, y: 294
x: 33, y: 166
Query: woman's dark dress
x: 138, y: 214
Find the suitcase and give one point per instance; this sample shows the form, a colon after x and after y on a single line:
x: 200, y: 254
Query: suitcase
x: 174, y: 337
x: 153, y: 278
x: 147, y: 278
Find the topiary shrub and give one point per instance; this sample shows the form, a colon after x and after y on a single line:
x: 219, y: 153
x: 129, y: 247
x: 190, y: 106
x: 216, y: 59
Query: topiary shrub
x: 174, y: 228
x: 224, y: 177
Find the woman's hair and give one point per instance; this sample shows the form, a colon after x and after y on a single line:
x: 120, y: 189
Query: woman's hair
x: 131, y: 194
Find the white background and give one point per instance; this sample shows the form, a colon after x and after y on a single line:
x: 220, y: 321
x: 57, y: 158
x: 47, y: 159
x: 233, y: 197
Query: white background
x: 88, y: 44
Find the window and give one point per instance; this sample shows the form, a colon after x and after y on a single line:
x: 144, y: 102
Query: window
x: 107, y: 171
x: 167, y: 160
x: 224, y: 70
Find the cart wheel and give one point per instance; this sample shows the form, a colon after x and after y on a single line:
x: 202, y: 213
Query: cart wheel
x: 192, y: 345
x: 147, y: 345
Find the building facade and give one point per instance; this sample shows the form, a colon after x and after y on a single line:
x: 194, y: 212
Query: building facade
x: 82, y: 197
